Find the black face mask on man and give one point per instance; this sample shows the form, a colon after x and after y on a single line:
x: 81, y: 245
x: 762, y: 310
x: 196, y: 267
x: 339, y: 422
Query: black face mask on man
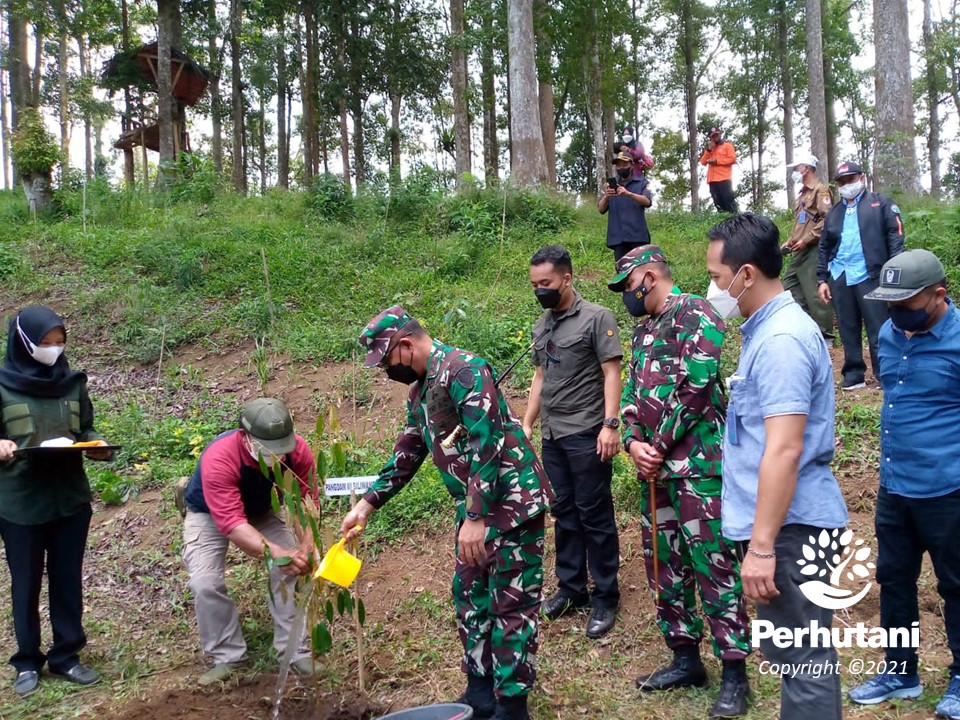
x: 909, y: 320
x: 402, y: 373
x: 548, y: 298
x: 623, y: 173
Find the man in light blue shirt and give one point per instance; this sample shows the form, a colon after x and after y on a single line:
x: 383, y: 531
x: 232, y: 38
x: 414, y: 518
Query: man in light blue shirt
x: 918, y: 503
x: 778, y: 490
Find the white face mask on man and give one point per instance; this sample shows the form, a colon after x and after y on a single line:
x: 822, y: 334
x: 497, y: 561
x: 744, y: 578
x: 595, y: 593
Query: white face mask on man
x: 851, y: 190
x: 796, y: 176
x: 722, y: 301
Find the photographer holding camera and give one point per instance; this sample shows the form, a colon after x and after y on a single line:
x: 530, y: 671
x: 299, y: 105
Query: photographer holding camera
x: 719, y: 157
x: 627, y: 198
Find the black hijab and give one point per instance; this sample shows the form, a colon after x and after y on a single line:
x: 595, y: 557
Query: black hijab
x: 20, y: 372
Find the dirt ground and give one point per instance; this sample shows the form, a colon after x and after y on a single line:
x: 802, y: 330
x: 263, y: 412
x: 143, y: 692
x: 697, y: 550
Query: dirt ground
x: 138, y: 616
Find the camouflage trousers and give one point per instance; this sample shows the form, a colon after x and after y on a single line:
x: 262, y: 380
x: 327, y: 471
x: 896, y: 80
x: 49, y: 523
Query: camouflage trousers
x: 498, y: 606
x: 694, y: 555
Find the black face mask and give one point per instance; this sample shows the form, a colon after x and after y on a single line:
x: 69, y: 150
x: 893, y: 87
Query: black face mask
x: 909, y: 320
x: 402, y: 373
x: 624, y: 173
x: 633, y: 300
x: 548, y: 297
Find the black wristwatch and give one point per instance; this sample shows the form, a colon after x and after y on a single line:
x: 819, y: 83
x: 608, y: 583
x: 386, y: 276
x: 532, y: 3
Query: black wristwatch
x: 611, y: 422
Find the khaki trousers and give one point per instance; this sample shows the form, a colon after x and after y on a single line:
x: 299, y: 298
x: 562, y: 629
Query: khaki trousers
x: 204, y: 554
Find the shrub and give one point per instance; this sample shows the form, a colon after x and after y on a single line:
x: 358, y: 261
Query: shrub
x: 34, y: 150
x: 330, y: 199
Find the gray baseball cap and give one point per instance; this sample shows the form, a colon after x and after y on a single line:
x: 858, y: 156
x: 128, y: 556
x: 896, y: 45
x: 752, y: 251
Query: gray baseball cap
x: 907, y: 274
x: 269, y: 425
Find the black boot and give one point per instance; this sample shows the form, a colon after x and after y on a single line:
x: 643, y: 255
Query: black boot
x: 734, y: 691
x: 686, y: 670
x: 479, y: 696
x: 511, y: 708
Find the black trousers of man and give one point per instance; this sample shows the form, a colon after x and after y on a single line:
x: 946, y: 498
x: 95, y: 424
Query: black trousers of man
x: 906, y: 528
x: 60, y: 546
x: 585, y: 529
x: 854, y: 315
x: 723, y: 198
x: 623, y: 248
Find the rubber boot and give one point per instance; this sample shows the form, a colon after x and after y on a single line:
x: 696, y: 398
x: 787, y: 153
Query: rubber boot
x: 479, y: 696
x: 734, y: 691
x: 512, y: 708
x: 686, y: 670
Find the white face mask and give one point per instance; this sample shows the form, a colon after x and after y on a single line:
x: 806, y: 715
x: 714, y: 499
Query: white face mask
x: 722, y: 301
x: 628, y: 138
x: 256, y: 451
x: 851, y: 190
x: 47, y: 355
x: 796, y: 176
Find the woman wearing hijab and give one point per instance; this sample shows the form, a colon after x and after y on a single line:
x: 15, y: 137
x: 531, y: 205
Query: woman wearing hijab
x: 44, y: 495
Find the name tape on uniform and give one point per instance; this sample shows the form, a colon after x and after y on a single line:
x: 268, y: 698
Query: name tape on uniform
x: 335, y: 487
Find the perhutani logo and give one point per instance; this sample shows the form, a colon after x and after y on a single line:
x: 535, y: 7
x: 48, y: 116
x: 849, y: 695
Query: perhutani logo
x: 832, y: 552
x: 891, y: 276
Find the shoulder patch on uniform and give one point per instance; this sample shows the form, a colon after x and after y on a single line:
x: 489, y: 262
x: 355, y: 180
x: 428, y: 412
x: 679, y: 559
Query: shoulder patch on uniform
x: 464, y: 377
x: 877, y: 204
x: 895, y: 208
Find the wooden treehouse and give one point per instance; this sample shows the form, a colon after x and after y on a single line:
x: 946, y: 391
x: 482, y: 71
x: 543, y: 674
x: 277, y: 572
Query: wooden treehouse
x: 138, y: 69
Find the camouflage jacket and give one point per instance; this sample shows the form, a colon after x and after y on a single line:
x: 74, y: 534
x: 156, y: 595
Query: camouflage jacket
x: 672, y: 397
x: 491, y: 469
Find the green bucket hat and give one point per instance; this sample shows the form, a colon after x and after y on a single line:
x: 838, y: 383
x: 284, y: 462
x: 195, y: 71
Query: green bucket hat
x: 635, y: 258
x: 379, y: 334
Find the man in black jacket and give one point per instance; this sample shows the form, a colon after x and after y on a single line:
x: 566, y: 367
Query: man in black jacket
x: 860, y: 234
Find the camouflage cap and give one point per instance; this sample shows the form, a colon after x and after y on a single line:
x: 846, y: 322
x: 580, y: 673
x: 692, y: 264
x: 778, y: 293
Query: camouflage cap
x: 636, y: 257
x: 378, y: 336
x: 623, y: 156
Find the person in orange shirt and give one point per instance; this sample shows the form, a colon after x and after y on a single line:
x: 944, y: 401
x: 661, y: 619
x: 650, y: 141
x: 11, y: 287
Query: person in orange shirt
x: 720, y: 157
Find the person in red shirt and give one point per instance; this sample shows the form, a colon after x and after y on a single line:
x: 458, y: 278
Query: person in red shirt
x: 229, y: 500
x: 719, y: 158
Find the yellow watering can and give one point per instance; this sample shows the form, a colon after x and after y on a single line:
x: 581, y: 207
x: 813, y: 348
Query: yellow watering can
x: 339, y: 566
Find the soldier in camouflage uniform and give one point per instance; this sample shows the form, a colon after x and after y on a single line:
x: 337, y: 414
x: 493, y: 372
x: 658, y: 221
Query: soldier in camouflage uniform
x: 673, y: 415
x: 457, y: 416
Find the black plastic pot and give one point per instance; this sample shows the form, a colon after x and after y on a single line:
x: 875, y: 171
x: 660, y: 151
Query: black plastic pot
x: 444, y: 711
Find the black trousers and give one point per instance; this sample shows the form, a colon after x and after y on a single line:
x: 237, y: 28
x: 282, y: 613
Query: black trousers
x: 585, y: 529
x: 723, y: 198
x: 906, y: 528
x: 854, y: 315
x: 60, y: 546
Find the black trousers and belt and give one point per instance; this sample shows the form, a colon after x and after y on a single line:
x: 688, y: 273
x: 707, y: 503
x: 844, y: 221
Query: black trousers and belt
x: 59, y: 546
x: 906, y: 528
x: 585, y: 528
x: 854, y: 315
x: 721, y: 191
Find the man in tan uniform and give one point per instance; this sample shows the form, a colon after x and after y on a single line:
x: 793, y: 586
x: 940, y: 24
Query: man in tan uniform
x: 813, y: 202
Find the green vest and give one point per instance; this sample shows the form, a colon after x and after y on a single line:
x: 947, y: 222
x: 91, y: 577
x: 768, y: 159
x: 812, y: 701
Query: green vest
x: 37, y: 487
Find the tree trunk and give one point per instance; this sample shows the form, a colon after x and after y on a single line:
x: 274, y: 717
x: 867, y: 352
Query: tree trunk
x: 165, y: 116
x: 88, y: 157
x: 545, y: 90
x: 690, y: 40
x: 64, y: 110
x: 395, y: 104
x: 895, y: 157
x: 344, y: 142
x: 239, y: 174
x: 283, y: 158
x: 933, y: 104
x: 38, y: 38
x: 815, y: 90
x: 635, y: 62
x: 829, y: 88
x: 528, y: 168
x: 461, y: 110
x: 216, y: 109
x: 491, y: 149
x: 39, y: 192
x: 19, y: 69
x: 786, y: 88
x: 4, y: 122
x: 359, y: 155
x: 311, y: 111
x: 594, y: 105
x: 129, y: 166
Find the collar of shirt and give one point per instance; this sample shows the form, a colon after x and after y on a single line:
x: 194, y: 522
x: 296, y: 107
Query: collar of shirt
x: 671, y: 300
x: 574, y: 308
x: 939, y: 327
x: 856, y: 200
x: 769, y: 308
x: 437, y: 353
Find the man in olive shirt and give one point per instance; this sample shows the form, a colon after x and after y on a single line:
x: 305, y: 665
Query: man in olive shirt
x: 813, y: 202
x: 576, y: 394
